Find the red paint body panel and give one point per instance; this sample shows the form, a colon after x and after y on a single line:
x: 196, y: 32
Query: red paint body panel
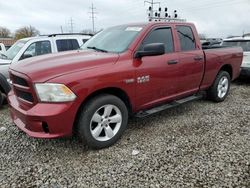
x: 86, y: 72
x: 216, y: 58
x: 58, y: 117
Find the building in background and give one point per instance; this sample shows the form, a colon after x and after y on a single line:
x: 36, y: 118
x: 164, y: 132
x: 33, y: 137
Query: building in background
x: 8, y: 42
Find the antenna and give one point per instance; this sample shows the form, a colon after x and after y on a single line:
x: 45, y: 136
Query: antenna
x: 92, y: 13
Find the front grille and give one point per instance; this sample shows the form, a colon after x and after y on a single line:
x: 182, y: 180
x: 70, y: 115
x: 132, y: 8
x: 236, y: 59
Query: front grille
x: 25, y: 95
x: 19, y: 81
x: 22, y: 88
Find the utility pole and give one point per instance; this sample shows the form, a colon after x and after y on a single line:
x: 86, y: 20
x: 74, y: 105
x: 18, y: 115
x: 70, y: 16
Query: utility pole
x: 93, y: 13
x: 161, y: 14
x: 151, y: 8
x: 71, y: 23
x: 61, y: 29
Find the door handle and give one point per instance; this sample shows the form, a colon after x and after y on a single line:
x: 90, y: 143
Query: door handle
x: 172, y: 62
x: 198, y: 58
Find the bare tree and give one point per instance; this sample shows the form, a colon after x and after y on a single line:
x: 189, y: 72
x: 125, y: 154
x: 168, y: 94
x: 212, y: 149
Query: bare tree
x: 4, y: 32
x: 26, y: 31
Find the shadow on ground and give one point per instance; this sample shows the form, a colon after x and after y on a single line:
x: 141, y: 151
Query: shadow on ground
x: 243, y: 81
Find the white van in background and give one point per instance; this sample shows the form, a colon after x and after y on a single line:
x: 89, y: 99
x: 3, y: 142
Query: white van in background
x: 243, y: 42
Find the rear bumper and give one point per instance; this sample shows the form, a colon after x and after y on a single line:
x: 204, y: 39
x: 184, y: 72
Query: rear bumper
x: 43, y: 120
x: 245, y: 71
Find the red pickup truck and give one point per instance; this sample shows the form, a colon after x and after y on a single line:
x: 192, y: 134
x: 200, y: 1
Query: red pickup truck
x: 136, y: 69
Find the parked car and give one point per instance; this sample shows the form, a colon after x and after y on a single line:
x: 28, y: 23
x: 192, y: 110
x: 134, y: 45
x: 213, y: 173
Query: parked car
x: 35, y: 46
x: 211, y: 44
x: 2, y: 48
x: 243, y: 42
x: 129, y: 70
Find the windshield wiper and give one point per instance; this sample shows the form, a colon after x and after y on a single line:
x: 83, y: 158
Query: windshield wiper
x: 97, y: 49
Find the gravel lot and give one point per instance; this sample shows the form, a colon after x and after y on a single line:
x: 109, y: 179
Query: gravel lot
x: 200, y: 144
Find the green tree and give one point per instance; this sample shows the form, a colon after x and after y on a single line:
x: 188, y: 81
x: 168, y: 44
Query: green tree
x: 4, y: 32
x: 26, y: 31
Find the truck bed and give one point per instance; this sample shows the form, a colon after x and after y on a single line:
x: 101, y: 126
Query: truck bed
x: 216, y: 57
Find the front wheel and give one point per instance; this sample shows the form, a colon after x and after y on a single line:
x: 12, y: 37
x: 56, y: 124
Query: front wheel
x: 220, y: 88
x: 102, y: 120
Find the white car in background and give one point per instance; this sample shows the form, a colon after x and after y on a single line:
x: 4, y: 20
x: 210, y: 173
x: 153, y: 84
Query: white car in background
x: 35, y: 46
x: 243, y: 42
x: 2, y: 48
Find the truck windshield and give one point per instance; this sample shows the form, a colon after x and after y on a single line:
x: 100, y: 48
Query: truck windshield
x: 13, y: 50
x: 116, y: 39
x: 244, y: 44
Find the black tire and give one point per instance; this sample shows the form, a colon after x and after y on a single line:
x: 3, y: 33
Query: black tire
x: 214, y: 93
x: 85, y: 124
x: 1, y: 99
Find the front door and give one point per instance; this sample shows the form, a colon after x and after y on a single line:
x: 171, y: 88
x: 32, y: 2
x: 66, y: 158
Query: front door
x: 157, y: 76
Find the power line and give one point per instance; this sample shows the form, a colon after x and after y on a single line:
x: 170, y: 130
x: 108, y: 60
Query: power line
x: 93, y: 13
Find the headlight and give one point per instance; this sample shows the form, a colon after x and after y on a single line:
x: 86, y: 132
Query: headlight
x: 49, y: 92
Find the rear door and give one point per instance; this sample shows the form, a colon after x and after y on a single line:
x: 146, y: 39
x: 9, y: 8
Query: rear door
x: 157, y: 76
x: 191, y: 60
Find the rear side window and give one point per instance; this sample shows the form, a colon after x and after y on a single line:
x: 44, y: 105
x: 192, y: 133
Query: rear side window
x: 67, y: 44
x: 161, y: 35
x: 186, y: 38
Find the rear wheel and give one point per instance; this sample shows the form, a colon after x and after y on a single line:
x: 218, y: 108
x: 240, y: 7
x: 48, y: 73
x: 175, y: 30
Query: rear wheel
x: 220, y: 88
x: 102, y: 120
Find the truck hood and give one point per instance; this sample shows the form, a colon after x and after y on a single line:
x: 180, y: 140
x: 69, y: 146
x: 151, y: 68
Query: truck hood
x: 44, y: 68
x: 5, y: 61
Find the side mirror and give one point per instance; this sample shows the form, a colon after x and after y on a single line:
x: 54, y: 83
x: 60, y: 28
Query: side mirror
x: 152, y: 49
x: 25, y: 56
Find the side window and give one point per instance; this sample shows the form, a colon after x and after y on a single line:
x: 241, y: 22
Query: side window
x: 67, y: 44
x: 0, y: 48
x: 161, y: 35
x: 186, y: 37
x: 36, y: 49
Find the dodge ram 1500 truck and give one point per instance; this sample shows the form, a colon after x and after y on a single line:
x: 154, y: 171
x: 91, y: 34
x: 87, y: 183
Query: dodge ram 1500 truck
x: 136, y: 69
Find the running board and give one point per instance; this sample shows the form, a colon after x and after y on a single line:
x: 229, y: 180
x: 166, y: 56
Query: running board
x: 172, y: 104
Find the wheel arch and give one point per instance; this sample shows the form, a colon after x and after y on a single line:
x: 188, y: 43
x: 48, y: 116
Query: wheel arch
x: 121, y: 94
x: 228, y: 68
